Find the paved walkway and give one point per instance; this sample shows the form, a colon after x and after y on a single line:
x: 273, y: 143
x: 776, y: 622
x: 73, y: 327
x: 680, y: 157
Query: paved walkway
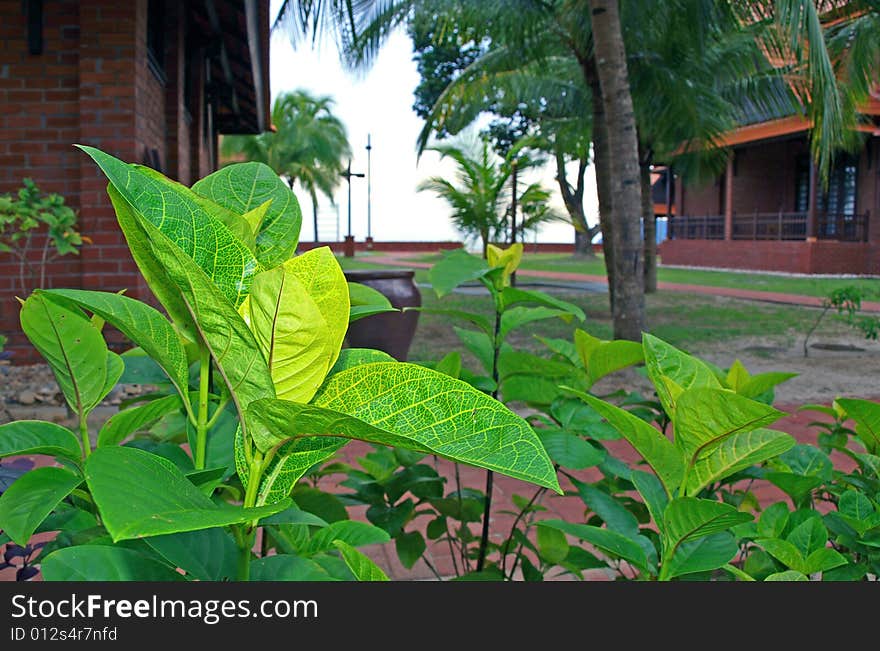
x: 403, y: 259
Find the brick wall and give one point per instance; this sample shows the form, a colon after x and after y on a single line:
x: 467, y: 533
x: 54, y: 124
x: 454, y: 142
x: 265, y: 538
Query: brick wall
x: 821, y: 257
x: 91, y: 85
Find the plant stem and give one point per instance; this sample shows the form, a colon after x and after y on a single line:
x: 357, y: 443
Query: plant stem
x: 84, y: 433
x: 811, y: 330
x: 202, y: 424
x: 496, y: 344
x: 245, y: 541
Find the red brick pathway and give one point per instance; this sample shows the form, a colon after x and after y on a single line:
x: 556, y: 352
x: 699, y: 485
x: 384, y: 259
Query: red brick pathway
x: 401, y: 260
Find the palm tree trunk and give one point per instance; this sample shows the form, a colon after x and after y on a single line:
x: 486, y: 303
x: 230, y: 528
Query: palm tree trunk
x: 315, y: 219
x: 603, y: 177
x: 650, y: 226
x: 628, y: 310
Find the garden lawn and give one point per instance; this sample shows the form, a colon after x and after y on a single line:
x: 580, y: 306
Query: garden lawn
x: 805, y: 285
x: 688, y: 321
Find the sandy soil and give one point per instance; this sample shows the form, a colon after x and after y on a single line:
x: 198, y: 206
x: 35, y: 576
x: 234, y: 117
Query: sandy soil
x: 851, y: 369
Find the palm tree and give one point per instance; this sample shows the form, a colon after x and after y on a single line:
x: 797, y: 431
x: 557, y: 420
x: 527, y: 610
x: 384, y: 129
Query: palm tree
x: 308, y: 145
x: 789, y: 30
x: 480, y: 197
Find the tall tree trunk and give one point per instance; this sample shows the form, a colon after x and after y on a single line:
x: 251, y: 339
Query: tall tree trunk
x: 573, y: 198
x: 315, y: 218
x: 650, y: 227
x: 628, y: 312
x: 603, y: 178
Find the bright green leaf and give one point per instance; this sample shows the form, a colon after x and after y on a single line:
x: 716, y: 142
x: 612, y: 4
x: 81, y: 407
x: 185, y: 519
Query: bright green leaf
x: 656, y: 449
x: 124, y: 423
x: 283, y: 567
x: 141, y: 323
x: 689, y: 518
x: 244, y: 187
x: 73, y: 347
x: 24, y: 437
x: 31, y: 497
x: 104, y: 563
x: 552, y: 544
x: 454, y: 269
x: 608, y: 541
x: 701, y: 555
x: 206, y: 555
x: 444, y: 415
x: 140, y: 494
x: 361, y: 565
x: 686, y: 371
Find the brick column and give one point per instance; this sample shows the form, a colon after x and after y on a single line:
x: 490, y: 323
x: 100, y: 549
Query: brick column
x: 728, y: 198
x: 108, y: 31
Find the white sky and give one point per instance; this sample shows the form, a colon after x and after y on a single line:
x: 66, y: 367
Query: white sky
x: 379, y: 103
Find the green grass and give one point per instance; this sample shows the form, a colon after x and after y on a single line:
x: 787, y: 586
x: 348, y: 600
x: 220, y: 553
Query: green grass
x: 687, y: 321
x: 806, y: 285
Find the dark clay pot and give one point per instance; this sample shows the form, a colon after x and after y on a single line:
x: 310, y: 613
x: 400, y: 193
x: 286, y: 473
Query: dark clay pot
x: 391, y: 332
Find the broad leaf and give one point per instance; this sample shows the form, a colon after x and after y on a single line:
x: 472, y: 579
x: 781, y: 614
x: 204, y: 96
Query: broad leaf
x: 409, y: 547
x: 653, y: 495
x: 705, y: 418
x: 143, y: 324
x: 866, y: 414
x: 608, y: 541
x: 245, y: 187
x: 688, y: 518
x: 352, y: 532
x: 759, y: 384
x: 73, y: 347
x: 442, y: 414
x: 351, y: 357
x: 615, y: 516
x: 320, y: 273
x: 291, y: 332
x: 570, y: 450
x: 479, y: 344
x: 788, y: 575
x: 140, y: 494
x: 454, y: 269
x: 206, y: 555
x: 125, y: 423
x: 33, y: 496
x: 513, y: 296
x: 656, y: 449
x: 783, y: 551
x: 153, y: 271
x: 477, y: 319
x: 290, y: 463
x: 365, y: 301
x: 206, y: 240
x: 735, y: 453
x: 237, y: 224
x: 283, y: 567
x: 552, y: 544
x: 361, y: 565
x: 517, y: 317
x: 219, y: 326
x: 24, y: 437
x: 701, y: 555
x: 612, y: 356
x: 809, y: 536
x: 104, y: 563
x: 686, y: 371
x: 852, y: 504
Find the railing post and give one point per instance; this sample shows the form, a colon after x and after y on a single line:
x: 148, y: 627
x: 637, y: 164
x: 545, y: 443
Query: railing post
x: 728, y: 198
x: 811, y: 204
x: 755, y: 226
x: 779, y: 226
x: 866, y: 219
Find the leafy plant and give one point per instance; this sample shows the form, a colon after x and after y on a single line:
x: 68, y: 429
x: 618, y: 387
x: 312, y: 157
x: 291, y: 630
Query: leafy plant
x: 846, y: 300
x: 25, y: 215
x: 256, y: 391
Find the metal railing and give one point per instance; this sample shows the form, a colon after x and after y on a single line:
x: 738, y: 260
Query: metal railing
x: 696, y: 227
x: 771, y: 226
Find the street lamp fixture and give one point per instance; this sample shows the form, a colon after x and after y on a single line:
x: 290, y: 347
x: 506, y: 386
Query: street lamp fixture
x: 348, y: 249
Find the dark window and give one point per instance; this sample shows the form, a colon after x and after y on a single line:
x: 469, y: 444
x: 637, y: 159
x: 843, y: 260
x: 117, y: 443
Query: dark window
x: 840, y: 196
x: 156, y: 37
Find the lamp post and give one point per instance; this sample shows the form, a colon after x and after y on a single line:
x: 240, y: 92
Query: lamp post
x: 369, y: 215
x: 348, y: 249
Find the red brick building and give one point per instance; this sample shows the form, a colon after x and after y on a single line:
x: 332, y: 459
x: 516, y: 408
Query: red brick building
x: 149, y: 81
x: 768, y: 210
